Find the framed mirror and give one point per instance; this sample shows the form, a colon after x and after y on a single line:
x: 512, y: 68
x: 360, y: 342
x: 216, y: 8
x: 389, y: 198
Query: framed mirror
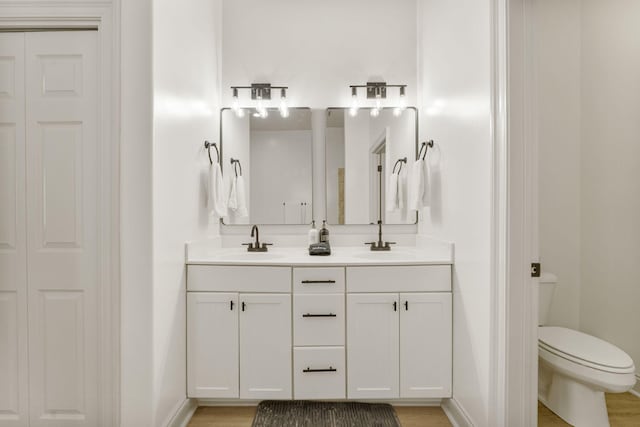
x: 273, y: 157
x: 363, y: 152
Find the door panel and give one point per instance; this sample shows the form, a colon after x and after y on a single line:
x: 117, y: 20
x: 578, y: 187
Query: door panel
x: 265, y: 346
x: 13, y: 267
x: 212, y: 345
x: 63, y: 215
x: 372, y: 346
x: 425, y: 345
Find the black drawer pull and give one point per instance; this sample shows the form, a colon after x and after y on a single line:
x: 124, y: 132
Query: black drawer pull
x: 330, y: 369
x: 318, y: 281
x: 319, y: 315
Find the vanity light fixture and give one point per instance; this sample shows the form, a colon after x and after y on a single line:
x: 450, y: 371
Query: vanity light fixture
x: 261, y: 92
x: 377, y: 91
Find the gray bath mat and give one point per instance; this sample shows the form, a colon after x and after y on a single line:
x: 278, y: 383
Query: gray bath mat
x: 302, y: 413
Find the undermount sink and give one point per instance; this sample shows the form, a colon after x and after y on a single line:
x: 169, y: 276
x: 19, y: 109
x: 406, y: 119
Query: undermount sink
x: 399, y: 255
x: 253, y: 256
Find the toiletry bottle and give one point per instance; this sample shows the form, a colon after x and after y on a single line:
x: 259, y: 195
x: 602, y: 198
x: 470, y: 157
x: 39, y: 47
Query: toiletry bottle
x: 324, y: 233
x: 313, y: 234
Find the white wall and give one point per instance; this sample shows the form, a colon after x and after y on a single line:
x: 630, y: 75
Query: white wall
x: 186, y: 112
x: 281, y: 173
x: 610, y: 64
x: 136, y: 255
x: 557, y: 86
x: 455, y: 103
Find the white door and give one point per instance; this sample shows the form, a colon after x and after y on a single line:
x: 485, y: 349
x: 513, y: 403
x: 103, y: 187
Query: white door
x: 63, y: 220
x: 265, y: 346
x: 425, y: 345
x: 13, y: 251
x: 212, y: 345
x: 372, y: 346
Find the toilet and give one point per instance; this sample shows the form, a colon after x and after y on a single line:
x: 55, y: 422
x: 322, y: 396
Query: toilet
x: 576, y: 369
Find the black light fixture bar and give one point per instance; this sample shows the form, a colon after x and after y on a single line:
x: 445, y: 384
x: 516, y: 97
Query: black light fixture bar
x: 377, y: 89
x: 259, y: 90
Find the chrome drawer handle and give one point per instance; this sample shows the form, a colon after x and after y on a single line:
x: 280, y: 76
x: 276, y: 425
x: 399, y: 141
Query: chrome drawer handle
x: 330, y: 369
x: 319, y: 315
x: 318, y: 281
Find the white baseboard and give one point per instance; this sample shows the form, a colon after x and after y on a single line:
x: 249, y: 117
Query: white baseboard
x: 184, y: 413
x: 456, y: 413
x: 636, y: 388
x: 394, y: 402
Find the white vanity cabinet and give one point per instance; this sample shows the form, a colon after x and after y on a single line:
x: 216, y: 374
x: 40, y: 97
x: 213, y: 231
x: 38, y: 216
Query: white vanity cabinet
x: 399, y: 344
x: 239, y: 343
x: 319, y: 332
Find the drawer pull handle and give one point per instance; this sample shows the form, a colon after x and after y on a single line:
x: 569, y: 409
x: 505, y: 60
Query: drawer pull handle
x: 329, y: 369
x: 319, y: 315
x: 318, y: 281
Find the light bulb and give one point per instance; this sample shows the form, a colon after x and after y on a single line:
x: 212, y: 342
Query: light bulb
x: 284, y: 109
x: 236, y: 104
x: 262, y: 112
x: 353, y: 111
x: 403, y: 100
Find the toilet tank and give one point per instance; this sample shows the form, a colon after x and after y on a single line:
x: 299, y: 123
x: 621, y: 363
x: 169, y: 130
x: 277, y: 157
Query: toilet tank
x: 547, y: 285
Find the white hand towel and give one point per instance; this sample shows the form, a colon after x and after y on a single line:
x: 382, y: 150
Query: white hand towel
x: 216, y: 200
x: 233, y: 195
x: 426, y: 183
x: 416, y: 185
x: 241, y: 210
x: 392, y: 193
x: 402, y: 182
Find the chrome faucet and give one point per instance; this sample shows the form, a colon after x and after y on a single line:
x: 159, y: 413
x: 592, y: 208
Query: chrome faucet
x: 256, y: 246
x: 380, y: 245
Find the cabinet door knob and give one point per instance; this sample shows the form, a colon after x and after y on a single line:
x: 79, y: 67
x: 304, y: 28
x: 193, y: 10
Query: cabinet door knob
x: 231, y: 305
x: 395, y: 306
x: 406, y: 305
x: 243, y: 305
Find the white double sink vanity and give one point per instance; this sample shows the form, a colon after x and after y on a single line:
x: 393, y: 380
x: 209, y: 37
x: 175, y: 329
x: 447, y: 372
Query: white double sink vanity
x: 352, y: 325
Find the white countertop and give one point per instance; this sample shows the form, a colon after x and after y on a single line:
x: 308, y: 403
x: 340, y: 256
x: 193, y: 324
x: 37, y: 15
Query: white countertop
x: 340, y: 255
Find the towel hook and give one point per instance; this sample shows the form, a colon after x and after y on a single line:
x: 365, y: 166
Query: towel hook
x: 208, y: 146
x: 236, y: 163
x: 400, y: 161
x: 426, y: 145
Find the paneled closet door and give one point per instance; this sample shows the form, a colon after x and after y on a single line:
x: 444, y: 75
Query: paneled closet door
x: 62, y: 227
x: 13, y: 267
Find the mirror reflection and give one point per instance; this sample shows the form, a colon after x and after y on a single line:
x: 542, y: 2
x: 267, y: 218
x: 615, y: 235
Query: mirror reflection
x: 267, y: 166
x: 368, y: 160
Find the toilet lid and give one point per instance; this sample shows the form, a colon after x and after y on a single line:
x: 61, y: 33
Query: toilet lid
x: 584, y: 349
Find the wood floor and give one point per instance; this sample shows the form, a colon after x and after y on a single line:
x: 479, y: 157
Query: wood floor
x: 242, y: 416
x: 624, y: 411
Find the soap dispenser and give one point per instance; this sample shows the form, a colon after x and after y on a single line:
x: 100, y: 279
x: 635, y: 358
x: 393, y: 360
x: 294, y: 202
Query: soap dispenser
x: 324, y: 233
x: 313, y: 234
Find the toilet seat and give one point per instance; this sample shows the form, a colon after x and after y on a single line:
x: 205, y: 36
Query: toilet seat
x: 584, y: 349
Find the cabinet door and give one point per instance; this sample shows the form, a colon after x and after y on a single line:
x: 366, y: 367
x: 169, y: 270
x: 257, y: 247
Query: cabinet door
x: 212, y: 344
x: 265, y: 346
x: 372, y: 346
x: 425, y: 345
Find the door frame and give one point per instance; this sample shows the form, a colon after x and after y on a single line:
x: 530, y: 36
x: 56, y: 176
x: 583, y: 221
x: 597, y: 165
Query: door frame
x: 59, y: 15
x: 514, y: 352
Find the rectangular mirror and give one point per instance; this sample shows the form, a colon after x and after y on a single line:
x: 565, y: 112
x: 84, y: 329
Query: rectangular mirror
x: 274, y: 157
x: 361, y: 152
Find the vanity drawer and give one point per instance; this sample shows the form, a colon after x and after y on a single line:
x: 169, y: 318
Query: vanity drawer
x: 414, y: 278
x: 318, y: 280
x: 319, y: 373
x: 238, y: 278
x: 318, y: 319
